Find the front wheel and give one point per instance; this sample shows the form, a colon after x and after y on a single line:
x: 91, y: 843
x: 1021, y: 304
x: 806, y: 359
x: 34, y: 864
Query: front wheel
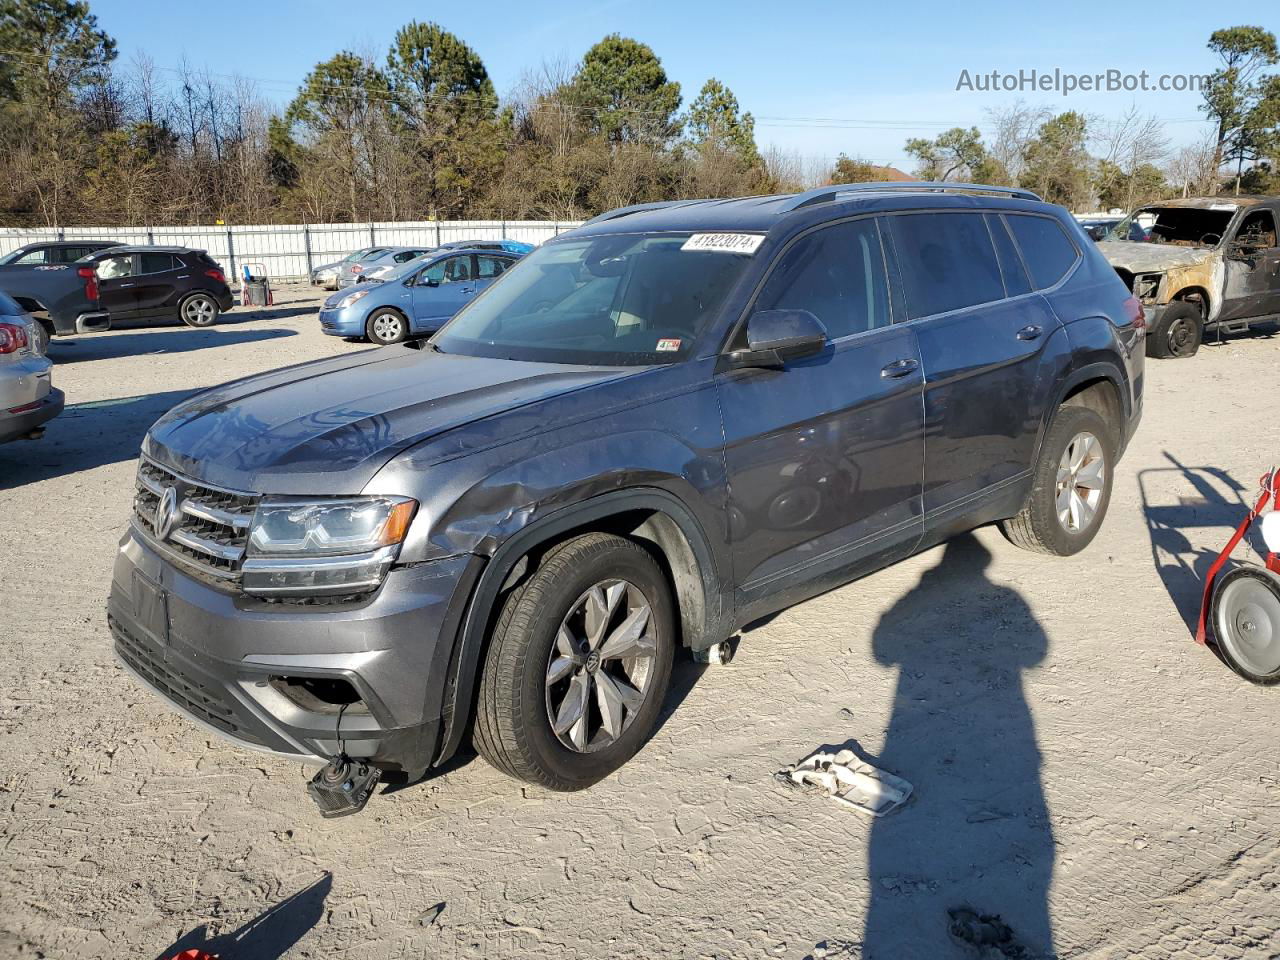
x: 578, y: 664
x: 199, y: 310
x: 1245, y: 613
x: 1070, y: 485
x: 1177, y: 333
x: 387, y: 326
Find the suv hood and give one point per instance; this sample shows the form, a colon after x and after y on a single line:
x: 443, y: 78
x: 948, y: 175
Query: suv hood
x: 328, y: 426
x: 1151, y: 257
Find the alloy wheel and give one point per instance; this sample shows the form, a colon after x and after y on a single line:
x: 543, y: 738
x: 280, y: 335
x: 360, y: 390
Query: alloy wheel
x: 1082, y: 474
x: 387, y: 327
x: 199, y: 311
x: 599, y: 671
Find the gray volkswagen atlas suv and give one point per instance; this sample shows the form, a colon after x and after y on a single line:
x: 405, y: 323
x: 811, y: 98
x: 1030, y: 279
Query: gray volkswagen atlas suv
x: 666, y: 424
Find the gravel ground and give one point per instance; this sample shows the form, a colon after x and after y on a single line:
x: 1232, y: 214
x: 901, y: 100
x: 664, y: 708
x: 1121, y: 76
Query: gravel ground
x: 1082, y: 769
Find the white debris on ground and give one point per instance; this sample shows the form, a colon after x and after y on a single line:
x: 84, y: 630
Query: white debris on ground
x: 849, y: 781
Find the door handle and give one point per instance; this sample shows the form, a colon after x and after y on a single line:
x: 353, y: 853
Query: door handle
x: 899, y: 368
x: 1030, y: 332
x: 123, y: 285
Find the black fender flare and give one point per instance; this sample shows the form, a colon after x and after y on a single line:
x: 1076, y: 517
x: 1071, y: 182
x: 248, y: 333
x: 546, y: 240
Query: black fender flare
x: 469, y: 643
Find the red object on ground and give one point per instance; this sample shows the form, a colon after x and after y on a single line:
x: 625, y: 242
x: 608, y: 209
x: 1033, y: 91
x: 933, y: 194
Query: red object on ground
x: 1270, y: 483
x: 193, y: 955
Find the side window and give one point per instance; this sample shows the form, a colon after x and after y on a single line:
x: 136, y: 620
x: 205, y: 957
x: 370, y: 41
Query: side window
x: 1258, y: 229
x: 487, y: 267
x: 34, y: 257
x: 837, y: 274
x: 948, y: 262
x: 433, y: 275
x: 457, y: 268
x: 114, y: 267
x: 1046, y: 248
x: 1011, y: 268
x: 155, y: 262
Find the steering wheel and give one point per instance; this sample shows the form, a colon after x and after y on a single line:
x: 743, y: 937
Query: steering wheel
x: 1217, y: 239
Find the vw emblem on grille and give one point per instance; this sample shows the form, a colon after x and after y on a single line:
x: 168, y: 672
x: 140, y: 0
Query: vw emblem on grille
x: 166, y: 512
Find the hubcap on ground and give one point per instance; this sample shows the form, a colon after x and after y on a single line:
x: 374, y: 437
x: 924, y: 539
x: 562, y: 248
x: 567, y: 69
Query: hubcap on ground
x: 1082, y: 472
x: 386, y: 327
x: 600, y: 666
x: 200, y: 310
x: 1248, y: 624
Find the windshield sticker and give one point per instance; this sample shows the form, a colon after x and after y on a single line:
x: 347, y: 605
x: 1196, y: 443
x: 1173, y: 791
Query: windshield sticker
x: 724, y: 242
x: 1222, y: 206
x: 668, y: 345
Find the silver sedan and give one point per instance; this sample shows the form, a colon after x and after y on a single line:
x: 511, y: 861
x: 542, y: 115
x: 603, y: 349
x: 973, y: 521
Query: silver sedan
x: 28, y: 399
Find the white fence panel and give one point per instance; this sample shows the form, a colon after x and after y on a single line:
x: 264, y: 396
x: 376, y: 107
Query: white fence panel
x: 293, y: 250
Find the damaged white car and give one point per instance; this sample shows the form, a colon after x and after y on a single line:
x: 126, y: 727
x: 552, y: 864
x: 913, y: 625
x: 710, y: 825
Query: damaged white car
x: 1210, y: 263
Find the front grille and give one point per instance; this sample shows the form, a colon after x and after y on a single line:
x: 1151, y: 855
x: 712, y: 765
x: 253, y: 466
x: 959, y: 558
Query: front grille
x: 201, y: 701
x: 206, y: 528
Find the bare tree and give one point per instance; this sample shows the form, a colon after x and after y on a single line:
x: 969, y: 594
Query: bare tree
x: 1013, y: 129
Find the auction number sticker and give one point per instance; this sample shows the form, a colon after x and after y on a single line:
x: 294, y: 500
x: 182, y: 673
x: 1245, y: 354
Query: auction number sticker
x: 668, y: 345
x: 724, y: 242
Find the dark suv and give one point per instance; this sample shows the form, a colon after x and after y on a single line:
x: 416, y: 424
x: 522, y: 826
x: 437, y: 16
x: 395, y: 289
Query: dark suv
x: 653, y: 430
x: 148, y: 281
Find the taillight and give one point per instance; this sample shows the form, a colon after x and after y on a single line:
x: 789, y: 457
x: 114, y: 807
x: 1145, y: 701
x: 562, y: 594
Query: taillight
x: 90, y: 275
x: 216, y: 274
x: 1133, y: 310
x: 12, y: 338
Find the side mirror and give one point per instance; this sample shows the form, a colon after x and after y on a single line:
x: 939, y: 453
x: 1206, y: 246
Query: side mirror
x: 776, y: 336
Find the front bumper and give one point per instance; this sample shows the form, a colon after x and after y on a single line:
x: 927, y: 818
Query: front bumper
x: 14, y: 426
x: 221, y: 657
x: 342, y: 323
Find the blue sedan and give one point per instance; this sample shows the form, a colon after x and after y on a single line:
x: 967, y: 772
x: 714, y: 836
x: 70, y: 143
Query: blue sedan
x: 415, y: 300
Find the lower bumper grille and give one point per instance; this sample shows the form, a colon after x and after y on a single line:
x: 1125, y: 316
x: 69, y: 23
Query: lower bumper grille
x: 201, y: 701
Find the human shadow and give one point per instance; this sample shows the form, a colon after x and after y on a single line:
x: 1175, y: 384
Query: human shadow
x: 84, y: 436
x: 269, y: 935
x: 1178, y: 499
x: 976, y: 834
x: 112, y: 346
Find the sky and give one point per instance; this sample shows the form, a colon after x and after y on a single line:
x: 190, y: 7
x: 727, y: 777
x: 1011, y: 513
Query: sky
x: 820, y: 78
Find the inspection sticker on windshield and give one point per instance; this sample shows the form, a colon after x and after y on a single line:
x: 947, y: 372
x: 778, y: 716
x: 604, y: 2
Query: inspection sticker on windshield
x: 1222, y: 206
x: 724, y: 242
x: 668, y: 345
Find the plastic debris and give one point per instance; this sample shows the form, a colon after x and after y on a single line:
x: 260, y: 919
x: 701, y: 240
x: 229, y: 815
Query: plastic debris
x: 848, y: 781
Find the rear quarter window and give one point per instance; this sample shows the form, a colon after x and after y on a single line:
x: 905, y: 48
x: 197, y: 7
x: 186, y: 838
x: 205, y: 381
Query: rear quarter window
x: 1046, y: 249
x: 947, y: 262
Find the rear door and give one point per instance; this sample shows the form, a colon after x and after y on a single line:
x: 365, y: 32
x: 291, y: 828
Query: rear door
x: 117, y: 285
x: 824, y: 457
x: 159, y: 276
x: 488, y: 268
x: 981, y: 331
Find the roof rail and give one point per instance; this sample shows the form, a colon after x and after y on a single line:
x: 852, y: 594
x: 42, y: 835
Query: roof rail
x: 638, y: 208
x: 831, y: 193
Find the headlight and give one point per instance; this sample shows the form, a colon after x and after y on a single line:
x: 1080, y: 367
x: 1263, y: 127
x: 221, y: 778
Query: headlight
x: 351, y: 298
x: 324, y: 546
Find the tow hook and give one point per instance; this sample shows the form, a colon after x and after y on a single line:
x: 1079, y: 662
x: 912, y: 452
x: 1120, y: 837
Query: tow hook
x: 718, y: 653
x: 343, y: 786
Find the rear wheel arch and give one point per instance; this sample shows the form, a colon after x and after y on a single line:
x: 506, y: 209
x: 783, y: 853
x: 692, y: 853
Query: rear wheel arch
x: 654, y: 518
x: 1099, y: 386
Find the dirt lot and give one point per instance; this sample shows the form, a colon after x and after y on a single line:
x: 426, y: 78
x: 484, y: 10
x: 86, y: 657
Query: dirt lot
x: 1081, y: 767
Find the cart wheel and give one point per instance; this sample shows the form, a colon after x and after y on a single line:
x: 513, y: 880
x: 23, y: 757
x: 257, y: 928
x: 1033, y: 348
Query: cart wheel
x: 1246, y: 622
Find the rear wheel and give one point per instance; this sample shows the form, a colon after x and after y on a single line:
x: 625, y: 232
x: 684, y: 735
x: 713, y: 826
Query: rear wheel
x: 387, y: 326
x: 578, y: 665
x: 1070, y: 487
x: 199, y: 310
x: 44, y: 333
x: 1177, y: 333
x: 1245, y: 613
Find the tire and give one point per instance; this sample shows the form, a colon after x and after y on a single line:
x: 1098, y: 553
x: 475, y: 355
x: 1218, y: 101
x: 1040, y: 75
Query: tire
x: 1039, y: 527
x: 386, y: 326
x: 1178, y: 332
x: 1245, y: 613
x: 198, y: 310
x: 519, y: 701
x: 44, y: 333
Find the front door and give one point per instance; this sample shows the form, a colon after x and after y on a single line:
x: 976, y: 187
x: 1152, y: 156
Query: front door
x: 981, y: 331
x: 158, y: 277
x: 825, y: 456
x: 1252, y: 287
x: 441, y: 290
x: 117, y: 285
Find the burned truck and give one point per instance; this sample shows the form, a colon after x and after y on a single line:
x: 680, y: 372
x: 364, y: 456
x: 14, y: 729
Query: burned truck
x: 1208, y: 264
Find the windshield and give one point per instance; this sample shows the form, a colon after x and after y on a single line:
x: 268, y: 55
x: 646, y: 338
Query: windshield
x: 1180, y: 226
x: 353, y: 257
x: 615, y: 300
